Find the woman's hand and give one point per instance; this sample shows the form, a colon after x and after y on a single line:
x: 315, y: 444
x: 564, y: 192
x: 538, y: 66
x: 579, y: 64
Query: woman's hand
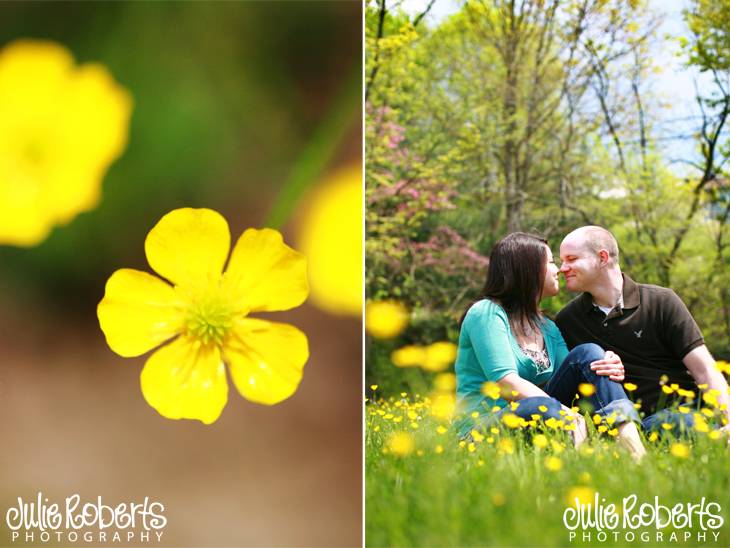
x: 610, y: 366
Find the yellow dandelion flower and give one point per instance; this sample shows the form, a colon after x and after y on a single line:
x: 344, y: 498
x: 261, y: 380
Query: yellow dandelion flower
x: 707, y: 412
x: 542, y: 408
x: 494, y: 430
x: 414, y: 425
x: 441, y: 429
x: 401, y: 444
x: 710, y: 397
x: 462, y: 444
x: 667, y: 426
x: 439, y: 356
x: 408, y: 356
x: 535, y: 418
x: 557, y: 446
x: 491, y: 390
x: 687, y: 394
x: 653, y: 436
x: 684, y: 409
x: 679, y: 450
x: 700, y: 424
x: 511, y: 420
x: 205, y: 314
x: 404, y: 394
x: 477, y: 436
x: 667, y: 389
x: 376, y: 429
x: 385, y: 319
x: 602, y: 428
x: 613, y: 432
x: 412, y: 415
x: 539, y: 441
x: 397, y: 419
x: 331, y: 239
x: 611, y: 419
x: 583, y: 495
x: 490, y: 439
x: 597, y: 419
x: 445, y: 382
x: 514, y: 405
x: 498, y: 499
x: 586, y: 450
x: 61, y: 127
x: 630, y: 386
x: 506, y: 446
x: 715, y: 435
x: 586, y: 389
x: 475, y: 414
x: 373, y: 387
x: 439, y: 449
x: 471, y: 447
x: 554, y: 464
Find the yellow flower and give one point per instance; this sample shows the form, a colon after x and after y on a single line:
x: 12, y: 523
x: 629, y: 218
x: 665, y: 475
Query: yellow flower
x: 476, y: 436
x: 445, y: 382
x: 666, y: 389
x: 439, y: 449
x: 584, y: 477
x: 408, y: 356
x: 439, y: 356
x: 441, y: 429
x: 385, y: 319
x: 506, y: 446
x: 653, y: 436
x: 204, y: 315
x: 585, y: 495
x: 444, y: 405
x: 630, y: 386
x: 539, y: 441
x: 61, y: 127
x: 554, y: 464
x: 401, y: 444
x: 331, y: 239
x: 679, y: 450
x: 586, y: 389
x: 498, y: 499
x: 511, y: 420
x: 373, y: 387
x: 491, y: 390
x: 597, y: 419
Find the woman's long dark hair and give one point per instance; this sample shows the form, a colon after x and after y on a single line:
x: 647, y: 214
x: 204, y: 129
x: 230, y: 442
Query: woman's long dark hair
x: 515, y: 278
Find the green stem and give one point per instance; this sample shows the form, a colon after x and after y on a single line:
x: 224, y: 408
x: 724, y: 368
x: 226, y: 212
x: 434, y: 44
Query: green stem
x: 318, y: 151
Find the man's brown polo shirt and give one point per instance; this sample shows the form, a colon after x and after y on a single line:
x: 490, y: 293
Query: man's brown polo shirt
x: 651, y: 331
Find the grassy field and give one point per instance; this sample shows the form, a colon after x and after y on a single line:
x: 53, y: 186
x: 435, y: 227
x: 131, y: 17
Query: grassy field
x: 511, y: 487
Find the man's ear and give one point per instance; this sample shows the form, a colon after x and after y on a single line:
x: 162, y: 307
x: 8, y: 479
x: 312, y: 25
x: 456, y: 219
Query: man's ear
x: 604, y: 257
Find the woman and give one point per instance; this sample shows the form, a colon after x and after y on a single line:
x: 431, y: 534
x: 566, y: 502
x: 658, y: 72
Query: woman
x: 505, y: 339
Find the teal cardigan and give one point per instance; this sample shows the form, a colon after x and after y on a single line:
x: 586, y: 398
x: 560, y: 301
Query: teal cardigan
x: 488, y: 351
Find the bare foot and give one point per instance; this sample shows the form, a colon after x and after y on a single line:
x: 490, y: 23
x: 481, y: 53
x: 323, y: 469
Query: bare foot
x: 628, y: 436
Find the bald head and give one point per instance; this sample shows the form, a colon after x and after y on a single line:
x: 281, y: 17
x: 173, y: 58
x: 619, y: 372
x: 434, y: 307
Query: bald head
x: 595, y: 239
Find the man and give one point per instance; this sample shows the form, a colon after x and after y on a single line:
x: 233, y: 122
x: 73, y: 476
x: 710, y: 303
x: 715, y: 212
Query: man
x: 648, y: 326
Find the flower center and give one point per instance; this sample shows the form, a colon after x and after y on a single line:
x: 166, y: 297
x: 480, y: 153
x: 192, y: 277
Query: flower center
x: 209, y: 317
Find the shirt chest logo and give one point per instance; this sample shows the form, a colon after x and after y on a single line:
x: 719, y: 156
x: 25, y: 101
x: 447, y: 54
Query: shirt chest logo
x: 638, y: 333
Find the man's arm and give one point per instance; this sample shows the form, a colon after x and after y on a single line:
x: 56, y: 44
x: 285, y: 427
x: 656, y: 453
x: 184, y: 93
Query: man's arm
x: 701, y: 365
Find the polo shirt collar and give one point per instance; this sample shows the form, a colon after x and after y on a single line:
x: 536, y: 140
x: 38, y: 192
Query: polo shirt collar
x: 630, y: 296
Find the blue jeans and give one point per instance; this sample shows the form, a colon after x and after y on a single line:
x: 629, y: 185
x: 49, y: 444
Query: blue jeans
x: 608, y: 399
x: 682, y: 423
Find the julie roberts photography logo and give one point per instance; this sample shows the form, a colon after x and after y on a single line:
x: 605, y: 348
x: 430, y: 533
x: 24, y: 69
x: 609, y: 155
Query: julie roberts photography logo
x: 595, y: 521
x: 77, y: 521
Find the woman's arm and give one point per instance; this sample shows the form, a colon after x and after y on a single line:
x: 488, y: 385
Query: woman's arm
x: 512, y: 383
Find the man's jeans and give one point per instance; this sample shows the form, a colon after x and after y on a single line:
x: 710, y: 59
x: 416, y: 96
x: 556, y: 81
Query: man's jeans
x: 609, y: 397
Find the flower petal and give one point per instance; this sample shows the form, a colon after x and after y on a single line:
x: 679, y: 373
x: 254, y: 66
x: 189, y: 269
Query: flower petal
x: 265, y: 359
x: 265, y: 273
x: 138, y: 312
x: 189, y: 246
x: 186, y: 380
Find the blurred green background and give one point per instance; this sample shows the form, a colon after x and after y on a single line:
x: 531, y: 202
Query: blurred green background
x: 227, y: 95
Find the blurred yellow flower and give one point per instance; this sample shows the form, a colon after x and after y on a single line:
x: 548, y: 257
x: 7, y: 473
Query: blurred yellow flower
x: 511, y: 420
x: 679, y: 450
x: 445, y: 382
x: 540, y: 441
x: 585, y: 495
x: 498, y: 499
x: 61, y: 127
x: 630, y: 386
x: 443, y: 406
x: 408, y: 356
x: 554, y: 464
x: 586, y: 389
x: 401, y: 444
x: 205, y: 312
x: 491, y: 390
x: 385, y: 319
x: 331, y: 239
x: 506, y: 446
x: 439, y: 356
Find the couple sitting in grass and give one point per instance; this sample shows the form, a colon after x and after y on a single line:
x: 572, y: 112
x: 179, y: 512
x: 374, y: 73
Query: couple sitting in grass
x: 617, y: 330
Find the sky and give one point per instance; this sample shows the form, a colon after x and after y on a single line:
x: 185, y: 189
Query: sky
x: 673, y: 86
